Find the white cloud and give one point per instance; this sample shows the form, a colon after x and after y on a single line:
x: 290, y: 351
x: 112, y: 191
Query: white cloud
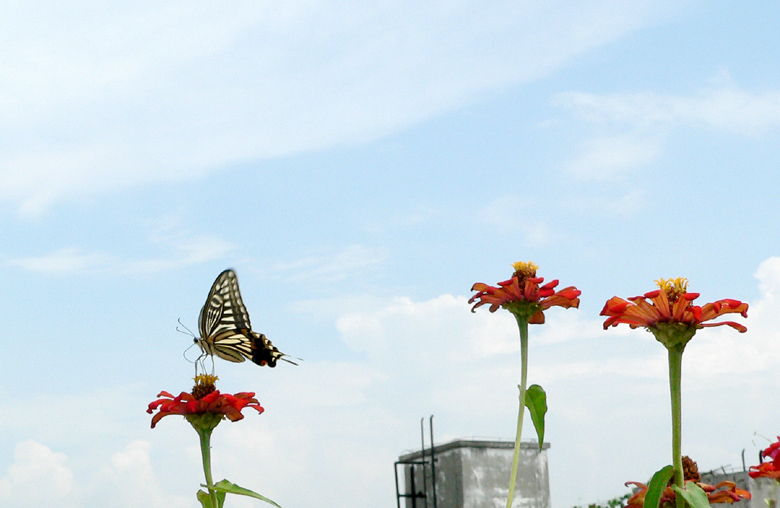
x: 185, y: 250
x: 40, y: 477
x: 564, y: 326
x: 607, y: 157
x: 131, y: 481
x: 98, y: 97
x: 723, y: 353
x: 631, y: 202
x: 349, y: 388
x: 768, y: 275
x: 722, y: 106
x: 510, y: 214
x: 418, y: 332
x: 37, y: 477
x: 67, y: 261
x: 332, y: 265
x: 651, y: 118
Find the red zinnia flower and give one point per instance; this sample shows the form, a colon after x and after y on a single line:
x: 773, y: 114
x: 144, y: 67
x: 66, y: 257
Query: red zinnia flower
x: 772, y: 451
x: 211, y: 406
x: 670, y: 310
x: 729, y: 493
x: 522, y: 296
x: 765, y: 470
x: 768, y: 469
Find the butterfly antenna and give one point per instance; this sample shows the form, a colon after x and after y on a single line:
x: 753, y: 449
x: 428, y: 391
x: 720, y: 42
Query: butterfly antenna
x: 188, y: 332
x: 283, y: 358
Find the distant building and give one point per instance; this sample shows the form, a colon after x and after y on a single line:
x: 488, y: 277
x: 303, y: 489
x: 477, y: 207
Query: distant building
x: 474, y: 474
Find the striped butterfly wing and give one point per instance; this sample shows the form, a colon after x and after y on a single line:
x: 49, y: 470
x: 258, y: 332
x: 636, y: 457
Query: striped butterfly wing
x: 224, y: 326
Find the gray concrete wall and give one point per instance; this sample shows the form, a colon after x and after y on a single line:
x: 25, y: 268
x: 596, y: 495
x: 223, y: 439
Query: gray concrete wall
x: 475, y: 474
x: 764, y: 493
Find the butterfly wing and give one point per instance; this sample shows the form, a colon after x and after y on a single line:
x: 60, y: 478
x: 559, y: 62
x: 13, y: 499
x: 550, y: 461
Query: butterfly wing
x: 232, y: 345
x: 264, y: 352
x: 224, y: 309
x: 223, y: 323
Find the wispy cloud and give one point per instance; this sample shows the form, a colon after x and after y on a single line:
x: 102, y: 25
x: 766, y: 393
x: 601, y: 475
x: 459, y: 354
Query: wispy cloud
x: 100, y: 97
x: 331, y: 265
x: 632, y: 129
x: 185, y: 251
x: 610, y: 157
x: 67, y: 261
x: 723, y: 105
x: 510, y: 214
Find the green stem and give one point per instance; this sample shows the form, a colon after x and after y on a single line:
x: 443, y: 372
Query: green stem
x: 205, y: 451
x: 522, y: 323
x: 675, y: 379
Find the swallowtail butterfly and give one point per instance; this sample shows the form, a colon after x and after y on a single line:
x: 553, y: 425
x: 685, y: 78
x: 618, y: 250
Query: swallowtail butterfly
x: 225, y: 330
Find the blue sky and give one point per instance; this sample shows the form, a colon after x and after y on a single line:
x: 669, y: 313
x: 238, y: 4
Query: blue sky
x: 361, y: 165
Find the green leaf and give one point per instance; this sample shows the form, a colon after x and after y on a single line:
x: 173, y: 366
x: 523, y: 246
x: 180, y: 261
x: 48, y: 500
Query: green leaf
x: 225, y: 487
x: 205, y: 499
x: 693, y: 495
x: 657, y: 485
x: 536, y: 402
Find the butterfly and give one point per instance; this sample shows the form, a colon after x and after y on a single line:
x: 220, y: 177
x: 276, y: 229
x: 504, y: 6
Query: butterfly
x: 225, y: 330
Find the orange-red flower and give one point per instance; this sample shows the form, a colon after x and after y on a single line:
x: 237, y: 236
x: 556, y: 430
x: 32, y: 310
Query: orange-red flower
x: 670, y: 308
x: 728, y: 493
x: 522, y: 295
x: 773, y: 451
x: 765, y: 470
x: 215, y: 405
x: 768, y: 469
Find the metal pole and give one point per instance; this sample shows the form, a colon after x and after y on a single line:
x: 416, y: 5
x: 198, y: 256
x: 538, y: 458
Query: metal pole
x: 433, y: 465
x: 414, y: 494
x: 397, y: 492
x: 422, y: 450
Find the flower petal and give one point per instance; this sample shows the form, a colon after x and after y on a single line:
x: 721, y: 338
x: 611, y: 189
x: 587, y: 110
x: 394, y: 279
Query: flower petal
x: 212, y: 404
x: 654, y: 308
x: 523, y: 297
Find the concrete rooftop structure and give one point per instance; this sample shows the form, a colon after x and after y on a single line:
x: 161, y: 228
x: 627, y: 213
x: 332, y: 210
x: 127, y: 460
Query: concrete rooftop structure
x: 475, y: 474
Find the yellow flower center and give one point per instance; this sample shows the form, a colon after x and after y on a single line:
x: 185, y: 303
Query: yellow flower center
x: 205, y: 379
x: 673, y: 287
x: 525, y: 270
x: 204, y: 384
